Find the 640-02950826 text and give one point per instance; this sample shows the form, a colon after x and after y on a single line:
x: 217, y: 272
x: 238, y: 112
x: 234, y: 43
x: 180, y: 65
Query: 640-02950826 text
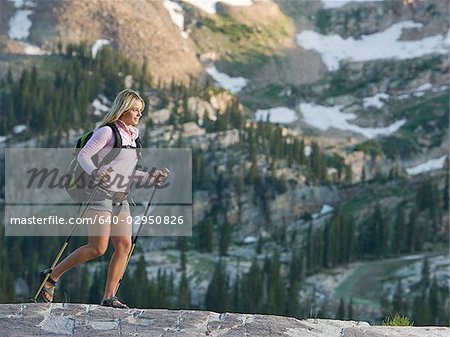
x: 101, y: 219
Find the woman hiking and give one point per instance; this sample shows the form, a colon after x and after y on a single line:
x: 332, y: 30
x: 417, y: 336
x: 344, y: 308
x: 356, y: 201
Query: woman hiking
x: 124, y: 114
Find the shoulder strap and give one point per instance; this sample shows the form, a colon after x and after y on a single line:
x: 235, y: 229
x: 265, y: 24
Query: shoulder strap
x: 138, y: 148
x: 117, y: 136
x: 117, y: 145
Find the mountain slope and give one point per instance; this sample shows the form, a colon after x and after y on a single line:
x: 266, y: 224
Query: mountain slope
x: 138, y: 28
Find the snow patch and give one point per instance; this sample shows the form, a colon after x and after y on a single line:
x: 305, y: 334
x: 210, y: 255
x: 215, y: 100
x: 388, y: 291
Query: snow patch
x: 175, y: 12
x: 376, y: 101
x: 99, y: 107
x: 403, y: 96
x: 324, y: 210
x: 97, y: 45
x: 277, y: 115
x: 19, y: 128
x: 104, y: 99
x: 234, y: 84
x: 250, y: 239
x: 430, y: 165
x: 307, y: 151
x: 381, y: 45
x: 34, y: 50
x: 209, y: 6
x: 420, y: 91
x: 20, y: 24
x: 339, y: 3
x: 22, y: 3
x: 441, y: 88
x: 424, y: 87
x: 323, y: 118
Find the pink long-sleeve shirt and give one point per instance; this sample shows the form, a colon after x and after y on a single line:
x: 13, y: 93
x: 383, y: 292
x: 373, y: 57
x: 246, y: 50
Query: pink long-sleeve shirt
x: 101, y: 143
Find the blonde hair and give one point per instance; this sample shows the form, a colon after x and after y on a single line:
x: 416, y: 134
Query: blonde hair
x: 122, y: 103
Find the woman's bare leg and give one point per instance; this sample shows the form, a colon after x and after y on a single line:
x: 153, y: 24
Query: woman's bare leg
x: 96, y: 246
x: 121, y: 238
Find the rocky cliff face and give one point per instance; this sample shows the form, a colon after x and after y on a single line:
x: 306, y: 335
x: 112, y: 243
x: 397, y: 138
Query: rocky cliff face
x: 93, y: 320
x: 369, y: 17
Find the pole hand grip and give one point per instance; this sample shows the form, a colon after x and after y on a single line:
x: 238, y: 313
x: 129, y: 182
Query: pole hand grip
x: 159, y: 179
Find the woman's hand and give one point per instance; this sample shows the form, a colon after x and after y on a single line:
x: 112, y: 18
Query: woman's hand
x: 101, y: 177
x: 159, y: 177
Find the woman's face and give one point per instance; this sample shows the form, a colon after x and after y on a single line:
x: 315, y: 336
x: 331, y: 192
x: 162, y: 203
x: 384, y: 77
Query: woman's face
x: 132, y: 116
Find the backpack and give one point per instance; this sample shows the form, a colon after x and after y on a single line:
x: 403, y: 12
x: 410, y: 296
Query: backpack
x: 79, y: 184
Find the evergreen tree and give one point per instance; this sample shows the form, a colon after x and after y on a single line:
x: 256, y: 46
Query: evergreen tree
x: 159, y: 288
x: 424, y: 196
x: 182, y: 244
x: 310, y: 250
x: 9, y: 77
x: 296, y: 267
x: 382, y: 234
x: 225, y: 238
x: 434, y: 303
x: 79, y: 293
x: 421, y: 310
x: 412, y: 230
x: 399, y: 304
x: 340, y: 314
x: 317, y: 162
x: 236, y: 302
x: 140, y: 284
x: 184, y: 294
x: 252, y: 289
x: 425, y: 278
x: 350, y: 315
x: 446, y: 192
x: 275, y: 287
x: 348, y: 176
x: 400, y: 236
x: 205, y: 236
x: 259, y: 245
x: 328, y: 245
x: 293, y: 302
x: 7, y: 290
x: 217, y: 293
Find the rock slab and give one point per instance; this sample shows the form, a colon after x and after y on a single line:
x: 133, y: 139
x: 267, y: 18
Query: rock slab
x: 83, y: 320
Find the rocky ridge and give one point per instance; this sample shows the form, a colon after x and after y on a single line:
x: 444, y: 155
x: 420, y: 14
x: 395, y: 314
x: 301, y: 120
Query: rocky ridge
x: 88, y: 320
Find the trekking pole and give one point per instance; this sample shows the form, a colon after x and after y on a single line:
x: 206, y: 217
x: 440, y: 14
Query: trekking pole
x: 48, y: 271
x: 133, y: 245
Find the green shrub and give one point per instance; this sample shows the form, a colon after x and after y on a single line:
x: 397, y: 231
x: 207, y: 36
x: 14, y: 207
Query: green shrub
x: 397, y: 320
x: 370, y: 147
